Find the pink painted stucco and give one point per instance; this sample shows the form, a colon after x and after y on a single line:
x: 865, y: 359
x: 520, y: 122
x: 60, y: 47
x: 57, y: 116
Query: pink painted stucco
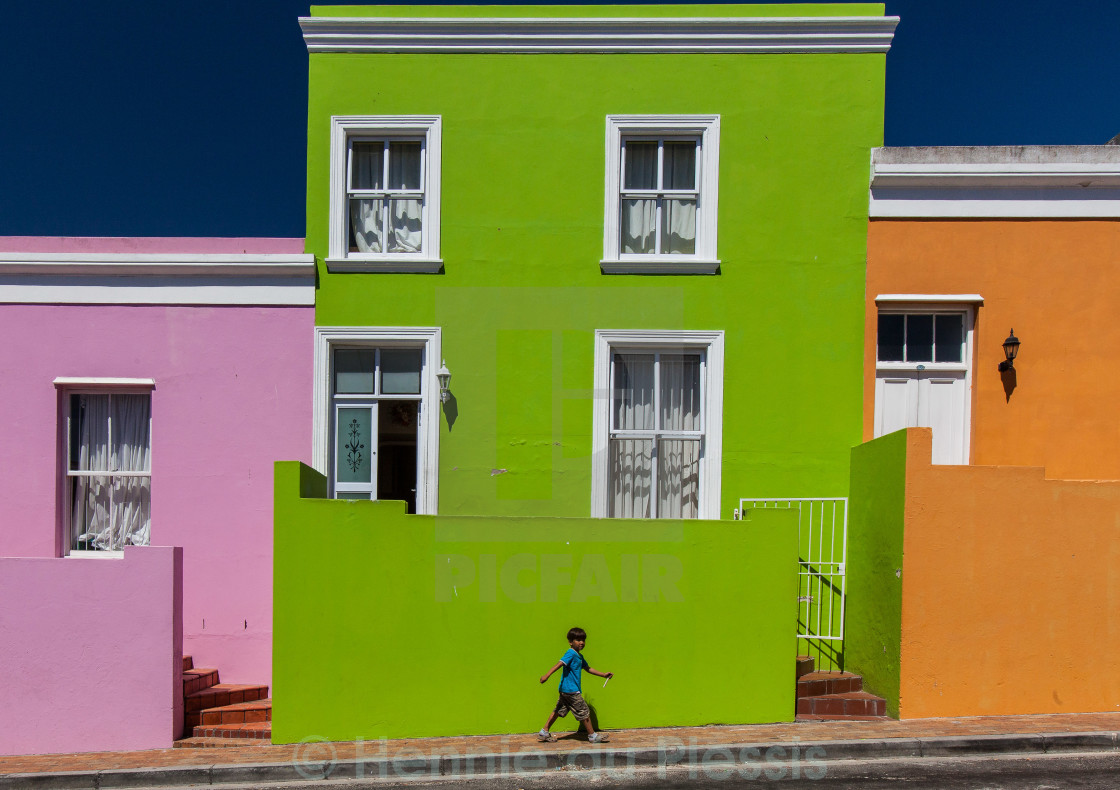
x: 91, y: 656
x: 232, y: 395
x: 147, y: 245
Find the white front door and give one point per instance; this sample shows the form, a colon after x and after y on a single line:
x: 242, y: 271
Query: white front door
x: 922, y: 378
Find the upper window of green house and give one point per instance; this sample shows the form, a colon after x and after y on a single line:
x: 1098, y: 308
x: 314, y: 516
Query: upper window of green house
x: 661, y: 194
x: 385, y: 194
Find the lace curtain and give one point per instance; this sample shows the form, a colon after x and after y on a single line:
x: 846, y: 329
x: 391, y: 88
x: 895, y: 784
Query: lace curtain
x: 385, y: 224
x: 677, y: 460
x: 678, y: 215
x: 112, y: 434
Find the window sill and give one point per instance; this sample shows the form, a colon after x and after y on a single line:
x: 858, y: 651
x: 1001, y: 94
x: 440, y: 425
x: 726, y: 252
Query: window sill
x: 81, y: 554
x: 689, y: 266
x: 400, y: 265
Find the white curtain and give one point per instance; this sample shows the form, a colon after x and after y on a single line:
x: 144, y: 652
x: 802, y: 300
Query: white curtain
x: 677, y: 460
x: 112, y: 511
x: 365, y: 225
x: 405, y: 225
x: 678, y: 227
x: 639, y: 217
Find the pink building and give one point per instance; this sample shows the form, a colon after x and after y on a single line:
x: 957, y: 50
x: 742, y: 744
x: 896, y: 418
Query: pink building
x: 149, y: 386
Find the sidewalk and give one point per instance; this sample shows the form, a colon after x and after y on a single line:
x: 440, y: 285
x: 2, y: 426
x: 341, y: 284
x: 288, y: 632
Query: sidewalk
x: 506, y: 754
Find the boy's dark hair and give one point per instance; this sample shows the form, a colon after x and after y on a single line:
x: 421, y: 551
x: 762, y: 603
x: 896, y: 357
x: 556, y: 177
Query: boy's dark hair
x: 576, y: 633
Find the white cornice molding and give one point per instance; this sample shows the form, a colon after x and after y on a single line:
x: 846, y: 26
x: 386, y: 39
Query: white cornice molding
x: 896, y: 299
x: 994, y: 189
x: 856, y: 34
x: 157, y: 278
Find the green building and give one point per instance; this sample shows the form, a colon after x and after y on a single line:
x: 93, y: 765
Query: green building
x: 635, y: 238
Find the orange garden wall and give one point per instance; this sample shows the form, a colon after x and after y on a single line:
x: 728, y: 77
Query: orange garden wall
x: 1056, y: 282
x: 1010, y: 590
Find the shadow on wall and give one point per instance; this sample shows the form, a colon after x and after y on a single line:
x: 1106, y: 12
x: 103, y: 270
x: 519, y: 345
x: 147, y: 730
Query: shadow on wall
x: 1009, y: 381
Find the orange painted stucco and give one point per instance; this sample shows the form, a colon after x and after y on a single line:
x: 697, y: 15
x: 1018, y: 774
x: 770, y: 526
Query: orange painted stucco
x: 1011, y: 590
x: 1057, y: 283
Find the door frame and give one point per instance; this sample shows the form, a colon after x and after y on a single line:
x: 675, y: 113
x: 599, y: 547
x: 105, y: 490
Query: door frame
x: 967, y: 304
x: 427, y: 440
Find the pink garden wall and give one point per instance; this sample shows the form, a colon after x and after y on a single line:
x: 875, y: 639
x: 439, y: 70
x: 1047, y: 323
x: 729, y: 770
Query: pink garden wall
x: 232, y: 395
x: 90, y: 653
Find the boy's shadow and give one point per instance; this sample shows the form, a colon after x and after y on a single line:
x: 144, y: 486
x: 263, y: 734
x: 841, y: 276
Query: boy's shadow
x: 580, y: 734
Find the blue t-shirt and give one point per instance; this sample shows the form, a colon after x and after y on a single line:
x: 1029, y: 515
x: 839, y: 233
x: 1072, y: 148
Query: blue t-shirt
x: 570, y: 677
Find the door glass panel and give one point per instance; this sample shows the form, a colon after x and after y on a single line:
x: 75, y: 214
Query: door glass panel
x: 631, y: 470
x: 919, y: 338
x: 633, y: 392
x: 366, y: 165
x: 353, y: 370
x: 400, y: 371
x: 949, y: 338
x: 352, y: 440
x: 680, y: 166
x: 892, y: 332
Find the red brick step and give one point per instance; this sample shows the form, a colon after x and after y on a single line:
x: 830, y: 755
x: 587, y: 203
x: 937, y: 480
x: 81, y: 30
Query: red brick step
x: 816, y: 684
x: 854, y: 703
x: 242, y: 732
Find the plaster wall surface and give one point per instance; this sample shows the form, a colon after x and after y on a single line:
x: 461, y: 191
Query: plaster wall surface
x: 1055, y: 283
x: 521, y: 291
x: 1011, y: 590
x: 441, y: 625
x: 148, y: 244
x: 91, y: 653
x: 232, y: 394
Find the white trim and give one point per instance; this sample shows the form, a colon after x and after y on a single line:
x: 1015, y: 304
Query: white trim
x: 704, y: 261
x: 392, y: 263
x: 127, y: 278
x: 659, y: 266
x: 73, y: 382
x: 712, y: 461
x: 899, y: 300
x: 427, y: 483
x: 993, y: 189
x: 343, y: 127
x: 838, y: 34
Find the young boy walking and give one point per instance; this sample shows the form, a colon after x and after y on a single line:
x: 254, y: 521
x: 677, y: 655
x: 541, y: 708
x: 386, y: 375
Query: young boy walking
x: 571, y: 697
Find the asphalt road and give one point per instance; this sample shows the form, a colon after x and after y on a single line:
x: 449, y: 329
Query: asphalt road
x: 1098, y: 771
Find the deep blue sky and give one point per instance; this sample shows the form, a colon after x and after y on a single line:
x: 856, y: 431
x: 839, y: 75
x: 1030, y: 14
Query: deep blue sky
x: 147, y: 118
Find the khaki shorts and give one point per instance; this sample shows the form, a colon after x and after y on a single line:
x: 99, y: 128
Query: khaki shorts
x: 573, y: 703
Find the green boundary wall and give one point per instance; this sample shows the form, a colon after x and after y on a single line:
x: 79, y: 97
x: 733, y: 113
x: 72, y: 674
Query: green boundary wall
x: 873, y: 620
x: 395, y: 625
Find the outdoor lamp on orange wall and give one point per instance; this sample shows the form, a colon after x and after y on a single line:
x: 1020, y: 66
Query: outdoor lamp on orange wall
x: 1010, y: 350
x: 443, y: 375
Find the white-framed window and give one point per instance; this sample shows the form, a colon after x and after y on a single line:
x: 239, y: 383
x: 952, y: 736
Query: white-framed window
x: 385, y: 185
x: 107, y: 465
x: 658, y: 424
x: 376, y: 431
x: 662, y: 194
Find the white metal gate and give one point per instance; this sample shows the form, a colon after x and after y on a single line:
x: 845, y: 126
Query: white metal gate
x: 822, y: 544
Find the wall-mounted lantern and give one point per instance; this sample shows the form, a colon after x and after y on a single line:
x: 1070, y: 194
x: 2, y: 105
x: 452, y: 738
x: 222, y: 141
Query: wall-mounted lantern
x: 1010, y: 351
x: 443, y: 375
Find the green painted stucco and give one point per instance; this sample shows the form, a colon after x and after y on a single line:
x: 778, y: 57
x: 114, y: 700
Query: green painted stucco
x: 391, y: 625
x: 522, y: 208
x: 873, y: 639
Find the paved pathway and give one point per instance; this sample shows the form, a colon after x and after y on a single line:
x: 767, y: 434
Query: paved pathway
x: 527, y: 743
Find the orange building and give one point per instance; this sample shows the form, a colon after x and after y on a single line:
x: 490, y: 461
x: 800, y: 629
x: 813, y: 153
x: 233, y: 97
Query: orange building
x: 978, y: 584
x: 966, y: 244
